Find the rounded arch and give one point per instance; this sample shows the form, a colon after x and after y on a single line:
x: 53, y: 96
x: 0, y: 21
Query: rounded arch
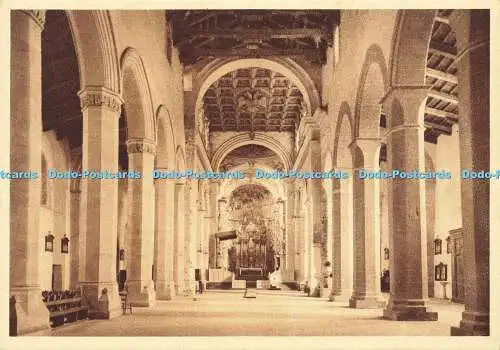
x: 229, y: 186
x: 287, y: 67
x: 245, y: 139
x: 410, y: 43
x: 344, y: 135
x: 373, y: 84
x: 165, y: 138
x: 180, y: 160
x: 429, y: 162
x: 95, y: 48
x: 397, y: 113
x: 328, y: 160
x: 138, y: 103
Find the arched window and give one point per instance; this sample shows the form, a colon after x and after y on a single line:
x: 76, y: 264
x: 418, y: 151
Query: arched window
x: 386, y: 253
x: 44, y: 187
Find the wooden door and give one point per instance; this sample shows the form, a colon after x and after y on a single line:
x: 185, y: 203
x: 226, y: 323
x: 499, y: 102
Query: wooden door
x: 458, y: 291
x: 57, y: 277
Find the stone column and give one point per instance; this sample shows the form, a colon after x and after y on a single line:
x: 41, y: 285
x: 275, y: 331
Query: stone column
x: 200, y: 214
x: 407, y: 210
x: 212, y: 258
x: 336, y: 241
x: 165, y: 238
x: 366, y: 192
x: 300, y: 239
x: 289, y: 263
x: 430, y: 197
x: 74, y: 243
x: 25, y: 146
x: 346, y: 237
x: 123, y: 217
x: 473, y: 59
x: 191, y: 229
x: 318, y: 213
x: 222, y: 222
x: 101, y: 111
x: 179, y: 237
x: 139, y: 283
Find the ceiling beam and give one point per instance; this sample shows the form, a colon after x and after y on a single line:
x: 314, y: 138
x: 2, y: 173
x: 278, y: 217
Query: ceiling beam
x: 442, y: 19
x: 443, y: 129
x: 253, y: 34
x: 251, y: 53
x: 443, y: 96
x: 437, y: 74
x: 443, y: 50
x: 453, y: 117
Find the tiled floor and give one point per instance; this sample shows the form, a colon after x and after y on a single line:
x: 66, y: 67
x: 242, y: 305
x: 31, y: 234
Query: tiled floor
x: 270, y: 313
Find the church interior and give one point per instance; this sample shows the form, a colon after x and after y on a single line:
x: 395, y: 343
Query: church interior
x: 324, y: 91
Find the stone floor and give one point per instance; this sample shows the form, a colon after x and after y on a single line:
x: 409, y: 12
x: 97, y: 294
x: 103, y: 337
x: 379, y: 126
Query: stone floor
x: 271, y: 313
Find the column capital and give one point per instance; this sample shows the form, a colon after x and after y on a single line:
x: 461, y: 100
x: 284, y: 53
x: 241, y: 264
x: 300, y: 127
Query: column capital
x: 141, y: 146
x: 99, y: 96
x: 365, y: 144
x: 403, y: 93
x: 370, y: 150
x: 37, y: 15
x: 411, y: 98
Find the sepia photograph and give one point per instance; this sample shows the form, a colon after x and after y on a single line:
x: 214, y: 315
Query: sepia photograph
x: 242, y: 174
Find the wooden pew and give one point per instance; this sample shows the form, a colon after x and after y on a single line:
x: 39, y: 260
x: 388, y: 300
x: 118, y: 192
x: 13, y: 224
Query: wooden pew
x: 64, y: 306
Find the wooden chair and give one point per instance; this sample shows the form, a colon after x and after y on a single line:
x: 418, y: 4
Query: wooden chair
x: 125, y: 304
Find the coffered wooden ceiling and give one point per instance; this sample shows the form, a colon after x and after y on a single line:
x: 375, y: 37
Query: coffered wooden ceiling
x: 207, y: 34
x: 253, y: 99
x: 442, y: 101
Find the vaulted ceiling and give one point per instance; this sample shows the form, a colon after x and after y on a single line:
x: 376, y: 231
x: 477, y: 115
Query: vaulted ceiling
x: 253, y: 99
x: 208, y: 34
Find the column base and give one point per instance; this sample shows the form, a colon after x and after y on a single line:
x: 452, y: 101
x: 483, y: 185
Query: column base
x: 178, y: 289
x: 473, y: 324
x: 409, y: 310
x: 141, y: 293
x: 164, y: 290
x: 189, y: 288
x: 102, y: 298
x: 31, y: 313
x: 342, y: 296
x: 371, y: 302
x: 410, y: 314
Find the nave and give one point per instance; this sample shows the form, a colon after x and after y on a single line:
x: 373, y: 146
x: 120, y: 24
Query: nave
x: 243, y: 90
x: 271, y: 313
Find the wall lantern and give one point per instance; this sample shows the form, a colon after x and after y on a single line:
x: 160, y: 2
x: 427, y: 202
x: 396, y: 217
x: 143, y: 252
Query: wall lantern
x: 65, y: 245
x: 49, y: 242
x: 122, y: 255
x: 386, y: 253
x: 437, y: 246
